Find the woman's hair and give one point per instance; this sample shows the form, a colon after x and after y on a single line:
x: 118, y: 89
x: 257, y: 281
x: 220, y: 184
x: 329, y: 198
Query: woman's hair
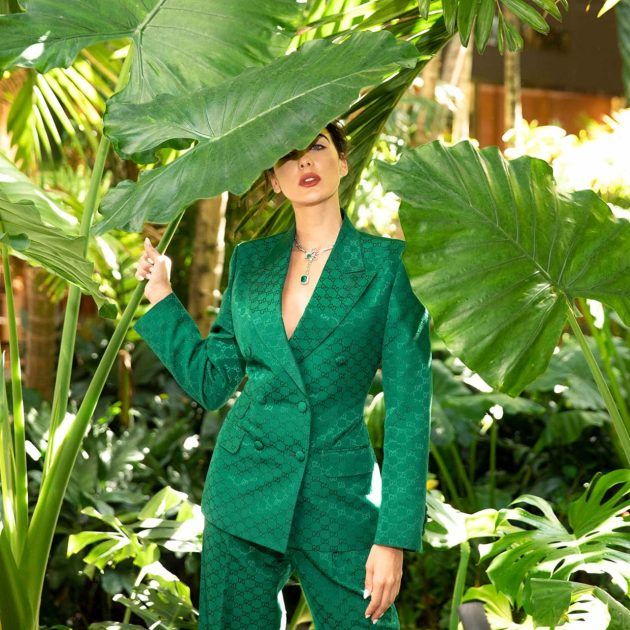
x: 337, y: 130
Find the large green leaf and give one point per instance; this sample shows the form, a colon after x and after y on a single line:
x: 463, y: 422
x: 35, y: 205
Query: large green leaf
x: 592, y: 605
x: 179, y: 45
x: 597, y: 543
x: 498, y: 255
x: 22, y: 229
x: 241, y: 127
x: 575, y: 605
x: 15, y: 186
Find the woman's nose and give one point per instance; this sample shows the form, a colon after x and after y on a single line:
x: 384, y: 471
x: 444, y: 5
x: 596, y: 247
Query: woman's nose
x: 305, y: 159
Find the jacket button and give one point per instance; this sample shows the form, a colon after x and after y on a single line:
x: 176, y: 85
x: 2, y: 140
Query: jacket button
x: 258, y: 444
x: 302, y: 406
x: 340, y: 359
x: 299, y: 455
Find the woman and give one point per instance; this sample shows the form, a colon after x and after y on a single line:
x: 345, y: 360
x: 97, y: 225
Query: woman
x: 308, y: 316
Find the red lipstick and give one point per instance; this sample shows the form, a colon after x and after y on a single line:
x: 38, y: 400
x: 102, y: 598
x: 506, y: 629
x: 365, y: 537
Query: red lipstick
x: 309, y: 179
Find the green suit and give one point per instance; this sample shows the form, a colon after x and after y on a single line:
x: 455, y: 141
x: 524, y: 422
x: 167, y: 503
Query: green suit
x: 294, y: 464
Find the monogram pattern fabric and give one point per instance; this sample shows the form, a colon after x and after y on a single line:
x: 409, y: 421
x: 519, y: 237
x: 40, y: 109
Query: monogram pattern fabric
x: 293, y: 461
x: 242, y: 582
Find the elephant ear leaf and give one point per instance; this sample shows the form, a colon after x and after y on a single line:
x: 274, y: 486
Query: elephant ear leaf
x: 240, y: 127
x: 28, y: 238
x: 498, y: 255
x: 15, y: 186
x: 178, y: 46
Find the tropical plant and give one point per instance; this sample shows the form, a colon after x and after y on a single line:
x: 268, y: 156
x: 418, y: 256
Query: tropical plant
x: 534, y: 556
x: 51, y: 33
x: 165, y: 599
x: 471, y: 214
x: 20, y: 601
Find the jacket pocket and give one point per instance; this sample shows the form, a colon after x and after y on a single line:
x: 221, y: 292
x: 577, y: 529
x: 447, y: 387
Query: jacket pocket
x: 348, y: 461
x: 230, y: 436
x: 241, y: 405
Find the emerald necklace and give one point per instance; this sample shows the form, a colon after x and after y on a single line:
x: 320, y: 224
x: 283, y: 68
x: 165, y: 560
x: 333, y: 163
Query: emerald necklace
x: 310, y: 255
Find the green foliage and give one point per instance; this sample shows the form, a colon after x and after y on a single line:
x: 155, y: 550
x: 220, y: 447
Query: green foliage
x: 534, y: 556
x: 469, y: 215
x: 51, y: 33
x: 231, y: 119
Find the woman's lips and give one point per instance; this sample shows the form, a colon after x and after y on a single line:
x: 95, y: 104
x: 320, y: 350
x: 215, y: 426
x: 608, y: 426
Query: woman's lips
x: 311, y: 182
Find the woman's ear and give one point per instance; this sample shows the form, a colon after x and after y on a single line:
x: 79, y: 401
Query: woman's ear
x: 269, y: 180
x: 274, y: 182
x: 343, y: 164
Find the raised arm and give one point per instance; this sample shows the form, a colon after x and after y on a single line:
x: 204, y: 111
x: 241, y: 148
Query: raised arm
x: 208, y: 369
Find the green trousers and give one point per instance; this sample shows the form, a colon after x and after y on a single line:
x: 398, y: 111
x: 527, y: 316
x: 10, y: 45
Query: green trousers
x: 242, y: 581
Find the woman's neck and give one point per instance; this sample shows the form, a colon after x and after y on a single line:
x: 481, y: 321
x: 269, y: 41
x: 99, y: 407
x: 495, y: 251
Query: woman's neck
x: 316, y: 227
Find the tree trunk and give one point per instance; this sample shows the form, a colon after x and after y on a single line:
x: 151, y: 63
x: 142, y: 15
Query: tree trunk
x: 457, y: 72
x: 208, y: 259
x: 461, y: 118
x: 426, y: 127
x: 40, y: 335
x: 512, y: 88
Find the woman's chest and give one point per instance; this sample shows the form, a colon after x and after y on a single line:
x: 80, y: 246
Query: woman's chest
x: 300, y: 285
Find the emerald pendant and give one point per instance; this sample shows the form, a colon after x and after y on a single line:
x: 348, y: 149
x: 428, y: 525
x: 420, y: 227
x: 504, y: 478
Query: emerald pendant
x: 303, y: 279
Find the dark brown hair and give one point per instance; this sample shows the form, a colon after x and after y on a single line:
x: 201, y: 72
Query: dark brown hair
x: 337, y: 130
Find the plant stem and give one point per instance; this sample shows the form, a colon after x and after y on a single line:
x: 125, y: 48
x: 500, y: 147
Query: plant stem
x: 605, y: 345
x: 494, y: 430
x: 472, y: 457
x: 445, y: 475
x: 621, y: 429
x: 461, y: 470
x: 300, y: 609
x: 71, y: 317
x: 52, y: 491
x: 460, y: 583
x: 20, y: 480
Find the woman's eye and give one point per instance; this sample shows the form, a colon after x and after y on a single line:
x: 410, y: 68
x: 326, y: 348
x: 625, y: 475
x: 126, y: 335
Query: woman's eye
x: 295, y: 154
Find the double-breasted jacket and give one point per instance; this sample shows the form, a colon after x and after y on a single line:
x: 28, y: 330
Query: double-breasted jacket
x: 294, y: 454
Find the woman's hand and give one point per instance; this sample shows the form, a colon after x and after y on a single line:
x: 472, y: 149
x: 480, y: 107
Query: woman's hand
x: 382, y: 578
x: 157, y: 268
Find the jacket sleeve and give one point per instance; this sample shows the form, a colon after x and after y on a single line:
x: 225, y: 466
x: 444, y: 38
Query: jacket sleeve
x: 407, y: 390
x: 209, y: 370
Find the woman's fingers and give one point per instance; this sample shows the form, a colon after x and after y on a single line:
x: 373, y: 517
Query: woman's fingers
x: 143, y: 268
x: 152, y: 261
x: 150, y: 250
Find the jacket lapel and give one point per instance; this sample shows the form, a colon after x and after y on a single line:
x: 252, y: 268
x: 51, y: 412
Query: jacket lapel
x: 343, y: 279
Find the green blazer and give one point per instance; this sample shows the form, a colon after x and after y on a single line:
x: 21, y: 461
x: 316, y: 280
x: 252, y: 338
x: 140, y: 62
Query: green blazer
x: 293, y: 454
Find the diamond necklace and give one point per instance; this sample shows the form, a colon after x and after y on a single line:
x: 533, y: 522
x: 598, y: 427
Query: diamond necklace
x: 310, y: 255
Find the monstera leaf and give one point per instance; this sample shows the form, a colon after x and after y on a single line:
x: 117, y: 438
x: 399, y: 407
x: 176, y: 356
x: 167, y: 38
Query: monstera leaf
x: 498, y: 255
x: 178, y: 45
x: 552, y: 602
x: 570, y: 604
x: 240, y: 127
x: 597, y: 542
x: 23, y: 231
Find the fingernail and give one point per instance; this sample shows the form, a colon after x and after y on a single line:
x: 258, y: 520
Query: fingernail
x: 366, y: 592
x: 146, y: 240
x: 374, y: 620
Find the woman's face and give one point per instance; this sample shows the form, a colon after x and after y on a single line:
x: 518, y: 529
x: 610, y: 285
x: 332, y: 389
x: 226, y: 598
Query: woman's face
x: 321, y: 159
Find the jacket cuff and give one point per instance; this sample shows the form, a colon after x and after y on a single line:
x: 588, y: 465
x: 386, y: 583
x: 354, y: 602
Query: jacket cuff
x: 409, y: 541
x: 150, y: 326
